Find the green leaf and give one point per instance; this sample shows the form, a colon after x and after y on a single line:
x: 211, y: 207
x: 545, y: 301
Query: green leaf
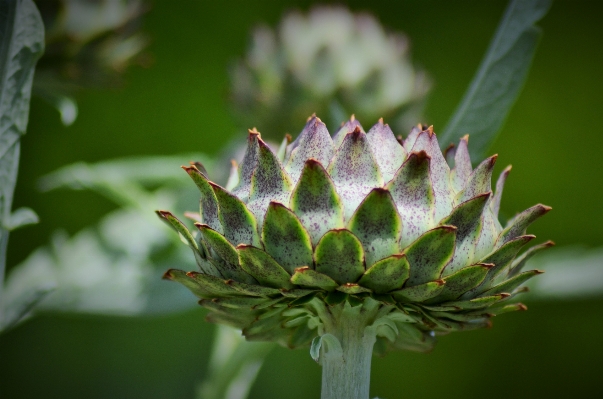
x: 21, y: 44
x: 386, y: 275
x: 462, y: 281
x: 315, y: 201
x: 413, y: 194
x: 500, y: 77
x: 419, y: 293
x: 285, y: 238
x: 228, y: 261
x: 354, y: 171
x: 377, y: 225
x: 263, y: 267
x: 511, y: 284
x: 339, y: 255
x: 429, y: 254
x: 239, y: 224
x: 307, y: 277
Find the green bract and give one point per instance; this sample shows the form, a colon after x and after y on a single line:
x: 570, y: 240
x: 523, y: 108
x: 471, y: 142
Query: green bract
x: 357, y: 220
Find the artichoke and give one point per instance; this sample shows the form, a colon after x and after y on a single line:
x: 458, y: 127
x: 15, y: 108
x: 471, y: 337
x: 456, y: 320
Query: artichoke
x: 358, y: 229
x: 327, y: 60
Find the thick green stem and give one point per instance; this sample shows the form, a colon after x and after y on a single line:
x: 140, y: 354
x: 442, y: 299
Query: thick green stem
x: 346, y: 367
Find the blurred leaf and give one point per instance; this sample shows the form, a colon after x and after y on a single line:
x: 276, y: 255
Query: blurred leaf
x: 21, y: 217
x: 66, y: 105
x: 233, y: 365
x: 499, y: 79
x: 124, y: 180
x: 21, y: 44
x: 570, y: 273
x: 105, y: 270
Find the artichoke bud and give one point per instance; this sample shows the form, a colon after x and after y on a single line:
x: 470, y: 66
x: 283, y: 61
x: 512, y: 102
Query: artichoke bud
x: 355, y: 220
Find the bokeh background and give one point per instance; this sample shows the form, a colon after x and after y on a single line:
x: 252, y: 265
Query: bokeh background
x: 179, y: 104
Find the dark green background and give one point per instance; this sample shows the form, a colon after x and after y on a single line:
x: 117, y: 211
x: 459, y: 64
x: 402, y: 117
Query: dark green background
x: 553, y: 138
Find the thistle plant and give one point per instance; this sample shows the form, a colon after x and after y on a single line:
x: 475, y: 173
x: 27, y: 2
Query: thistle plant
x: 329, y: 61
x: 355, y: 242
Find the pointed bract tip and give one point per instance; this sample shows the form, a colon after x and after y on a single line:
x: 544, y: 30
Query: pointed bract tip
x: 167, y: 275
x: 352, y: 118
x: 380, y: 121
x: 356, y: 133
x: 487, y: 266
x: 234, y: 163
x: 192, y: 274
x: 545, y: 208
x: 538, y: 271
x: 503, y: 295
x: 302, y: 269
x: 229, y: 281
x: 508, y: 169
x: 243, y: 246
x: 400, y: 139
x: 430, y: 130
x: 522, y: 307
x: 448, y: 227
x: 381, y: 190
x: 276, y: 204
x: 440, y: 282
x: 289, y: 138
x: 253, y: 133
x: 202, y: 226
x: 549, y: 243
x: 311, y: 116
x: 493, y: 159
x: 349, y: 285
x: 312, y: 162
x: 163, y: 214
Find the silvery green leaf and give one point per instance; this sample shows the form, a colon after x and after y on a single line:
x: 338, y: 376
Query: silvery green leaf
x: 499, y: 78
x: 21, y: 44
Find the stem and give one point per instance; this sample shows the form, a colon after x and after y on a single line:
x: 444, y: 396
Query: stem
x: 346, y: 371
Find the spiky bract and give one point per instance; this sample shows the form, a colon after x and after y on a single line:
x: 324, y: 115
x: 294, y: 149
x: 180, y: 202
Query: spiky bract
x: 360, y: 219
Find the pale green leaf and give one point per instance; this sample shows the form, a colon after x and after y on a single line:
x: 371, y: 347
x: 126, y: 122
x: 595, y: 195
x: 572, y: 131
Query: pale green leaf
x: 499, y: 79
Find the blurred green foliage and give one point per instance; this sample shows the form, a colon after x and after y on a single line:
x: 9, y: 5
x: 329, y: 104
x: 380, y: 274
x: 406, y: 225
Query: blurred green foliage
x: 179, y: 106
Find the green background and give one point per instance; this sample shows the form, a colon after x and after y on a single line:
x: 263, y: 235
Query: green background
x: 553, y: 138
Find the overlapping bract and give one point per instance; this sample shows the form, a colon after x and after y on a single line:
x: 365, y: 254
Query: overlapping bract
x: 355, y: 216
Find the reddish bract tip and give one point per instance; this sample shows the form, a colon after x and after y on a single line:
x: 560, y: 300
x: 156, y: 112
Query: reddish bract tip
x: 163, y: 214
x: 191, y: 274
x: 288, y: 137
x: 493, y: 159
x: 234, y: 163
x: 487, y: 266
x: 352, y: 118
x: 504, y: 295
x: 440, y: 282
x: 400, y: 139
x: 465, y: 138
x: 302, y: 269
x: 357, y: 133
x: 380, y: 121
x: 167, y: 275
x: 522, y: 307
